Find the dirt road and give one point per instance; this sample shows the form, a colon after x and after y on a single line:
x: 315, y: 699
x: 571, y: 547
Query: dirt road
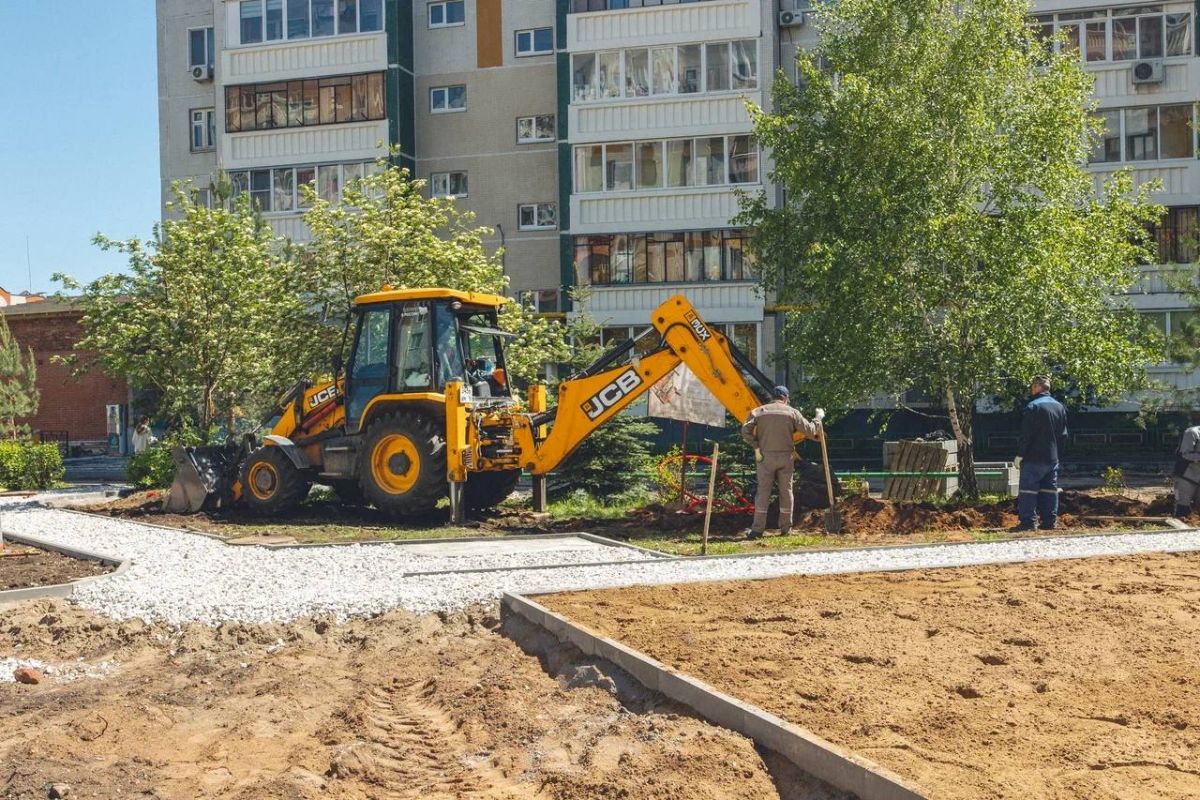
x: 399, y: 706
x: 1055, y: 680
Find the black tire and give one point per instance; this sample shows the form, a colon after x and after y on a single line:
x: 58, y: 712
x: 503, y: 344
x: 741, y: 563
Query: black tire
x: 489, y: 489
x: 402, y: 464
x: 348, y: 492
x: 271, y: 484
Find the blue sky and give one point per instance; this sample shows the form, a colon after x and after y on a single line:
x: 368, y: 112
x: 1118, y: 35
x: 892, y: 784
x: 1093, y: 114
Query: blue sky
x: 78, y: 134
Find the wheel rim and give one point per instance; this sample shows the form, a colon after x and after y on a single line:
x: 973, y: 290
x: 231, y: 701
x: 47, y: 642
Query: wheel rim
x: 395, y: 463
x: 263, y: 480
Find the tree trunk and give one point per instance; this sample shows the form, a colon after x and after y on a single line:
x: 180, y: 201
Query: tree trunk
x: 962, y: 421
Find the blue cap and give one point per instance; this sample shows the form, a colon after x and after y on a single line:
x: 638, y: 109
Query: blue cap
x: 782, y: 391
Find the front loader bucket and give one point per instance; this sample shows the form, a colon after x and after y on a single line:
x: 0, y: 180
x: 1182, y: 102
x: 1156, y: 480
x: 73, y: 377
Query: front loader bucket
x: 204, y: 478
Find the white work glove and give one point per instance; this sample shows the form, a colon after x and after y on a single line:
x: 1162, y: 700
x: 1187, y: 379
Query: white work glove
x: 820, y: 414
x: 1017, y: 462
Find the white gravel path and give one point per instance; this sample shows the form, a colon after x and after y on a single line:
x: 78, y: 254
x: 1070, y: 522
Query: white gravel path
x: 179, y: 577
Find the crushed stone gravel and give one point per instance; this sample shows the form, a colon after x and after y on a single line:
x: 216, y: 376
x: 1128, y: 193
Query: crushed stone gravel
x: 178, y: 577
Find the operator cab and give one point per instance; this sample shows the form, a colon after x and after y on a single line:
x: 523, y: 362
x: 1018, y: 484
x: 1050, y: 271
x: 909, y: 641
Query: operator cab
x: 416, y: 341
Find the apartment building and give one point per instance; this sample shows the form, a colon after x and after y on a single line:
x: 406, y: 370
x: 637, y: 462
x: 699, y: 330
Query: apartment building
x: 604, y: 141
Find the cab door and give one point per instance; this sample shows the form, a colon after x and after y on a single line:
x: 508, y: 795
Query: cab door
x: 370, y: 363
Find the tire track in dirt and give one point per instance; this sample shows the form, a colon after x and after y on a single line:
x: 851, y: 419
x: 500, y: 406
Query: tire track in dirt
x: 411, y: 748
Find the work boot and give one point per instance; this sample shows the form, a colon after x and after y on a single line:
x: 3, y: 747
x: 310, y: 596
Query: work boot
x: 1022, y: 528
x: 1182, y: 511
x: 784, y: 531
x: 753, y: 534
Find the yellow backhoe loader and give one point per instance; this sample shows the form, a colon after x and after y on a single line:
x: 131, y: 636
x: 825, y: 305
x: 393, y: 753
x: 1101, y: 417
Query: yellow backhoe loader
x: 423, y: 409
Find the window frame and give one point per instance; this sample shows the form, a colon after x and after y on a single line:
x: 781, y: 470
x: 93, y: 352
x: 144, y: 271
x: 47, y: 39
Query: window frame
x: 535, y: 117
x: 209, y: 46
x: 1053, y: 22
x: 444, y: 5
x: 662, y: 257
x: 692, y: 175
x: 449, y: 178
x: 309, y: 27
x: 593, y: 93
x: 321, y: 91
x: 532, y: 50
x: 208, y: 121
x: 446, y: 109
x: 298, y: 205
x: 1158, y: 108
x: 537, y: 216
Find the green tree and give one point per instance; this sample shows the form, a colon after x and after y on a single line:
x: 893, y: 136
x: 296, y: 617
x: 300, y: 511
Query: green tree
x: 19, y: 394
x: 940, y: 229
x: 386, y: 231
x: 208, y: 313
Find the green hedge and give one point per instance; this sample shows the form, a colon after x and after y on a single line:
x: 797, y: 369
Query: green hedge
x: 28, y: 466
x: 153, y: 468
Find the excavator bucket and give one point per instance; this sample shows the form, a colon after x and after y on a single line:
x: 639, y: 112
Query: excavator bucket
x: 204, y: 478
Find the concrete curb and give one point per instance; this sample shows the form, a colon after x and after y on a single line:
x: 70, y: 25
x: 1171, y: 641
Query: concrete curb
x: 809, y: 752
x: 57, y: 590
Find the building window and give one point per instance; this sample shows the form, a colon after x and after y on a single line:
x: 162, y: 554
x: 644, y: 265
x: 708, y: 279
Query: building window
x: 664, y: 257
x: 535, y: 42
x: 1178, y: 235
x: 295, y: 104
x: 278, y: 190
x: 542, y: 301
x: 276, y: 20
x: 535, y: 129
x: 204, y: 129
x: 446, y: 99
x: 682, y: 69
x: 448, y: 184
x: 674, y: 163
x: 1120, y: 34
x: 580, y: 6
x: 537, y: 217
x: 201, y: 52
x: 1145, y: 134
x: 444, y: 15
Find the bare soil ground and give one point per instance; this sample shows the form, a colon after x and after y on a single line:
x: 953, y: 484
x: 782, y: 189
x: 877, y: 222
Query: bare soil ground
x: 399, y: 706
x: 22, y: 567
x: 866, y: 521
x: 1049, y: 680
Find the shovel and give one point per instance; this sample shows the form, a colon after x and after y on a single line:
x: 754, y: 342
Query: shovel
x: 833, y: 517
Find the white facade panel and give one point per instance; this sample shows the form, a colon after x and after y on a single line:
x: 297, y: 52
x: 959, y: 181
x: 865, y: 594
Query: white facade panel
x: 1177, y: 179
x: 1114, y: 84
x: 305, y: 58
x: 694, y: 209
x: 654, y: 118
x: 290, y: 227
x: 690, y: 22
x: 361, y: 141
x: 716, y: 302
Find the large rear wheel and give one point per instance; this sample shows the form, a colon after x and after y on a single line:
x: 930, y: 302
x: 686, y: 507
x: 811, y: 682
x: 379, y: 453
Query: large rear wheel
x: 271, y: 484
x: 402, y: 467
x: 490, y: 489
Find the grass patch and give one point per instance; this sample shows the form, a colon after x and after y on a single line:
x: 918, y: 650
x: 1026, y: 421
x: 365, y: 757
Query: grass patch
x: 581, y: 504
x: 689, y: 544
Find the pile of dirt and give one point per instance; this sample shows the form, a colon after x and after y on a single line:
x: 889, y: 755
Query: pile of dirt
x: 398, y: 706
x: 22, y: 567
x: 1050, y: 680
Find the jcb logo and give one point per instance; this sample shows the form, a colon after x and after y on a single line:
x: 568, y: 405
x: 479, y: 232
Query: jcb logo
x: 327, y: 393
x: 697, y: 324
x: 611, y: 394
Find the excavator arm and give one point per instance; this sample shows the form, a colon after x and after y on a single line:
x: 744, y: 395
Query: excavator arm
x: 590, y: 399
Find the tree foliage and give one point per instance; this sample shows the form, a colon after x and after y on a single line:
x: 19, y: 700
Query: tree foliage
x: 209, y: 313
x: 19, y: 394
x: 386, y: 231
x: 940, y: 229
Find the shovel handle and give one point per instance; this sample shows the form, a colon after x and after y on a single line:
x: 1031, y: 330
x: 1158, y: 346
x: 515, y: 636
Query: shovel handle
x: 825, y: 463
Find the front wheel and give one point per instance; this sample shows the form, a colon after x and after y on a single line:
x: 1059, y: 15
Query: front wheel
x: 402, y: 464
x: 271, y: 484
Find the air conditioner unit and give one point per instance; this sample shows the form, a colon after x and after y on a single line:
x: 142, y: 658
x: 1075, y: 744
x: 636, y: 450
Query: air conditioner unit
x: 202, y: 72
x: 791, y: 19
x: 1147, y: 72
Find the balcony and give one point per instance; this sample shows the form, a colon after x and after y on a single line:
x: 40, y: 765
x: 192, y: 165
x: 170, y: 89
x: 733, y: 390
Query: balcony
x: 1114, y: 82
x: 689, y: 22
x: 357, y: 141
x: 304, y: 58
x: 662, y: 116
x: 695, y: 208
x: 716, y: 302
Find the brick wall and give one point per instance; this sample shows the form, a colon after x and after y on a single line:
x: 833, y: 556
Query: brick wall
x: 74, y: 405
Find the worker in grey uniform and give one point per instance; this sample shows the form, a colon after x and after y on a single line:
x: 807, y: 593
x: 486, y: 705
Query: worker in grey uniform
x: 1187, y: 469
x: 770, y: 431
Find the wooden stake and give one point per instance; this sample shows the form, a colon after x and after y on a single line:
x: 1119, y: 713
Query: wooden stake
x: 712, y: 487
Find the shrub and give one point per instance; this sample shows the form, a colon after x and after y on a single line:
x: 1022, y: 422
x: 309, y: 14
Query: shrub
x: 30, y: 466
x: 610, y: 461
x: 853, y: 486
x: 1114, y: 479
x: 153, y: 468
